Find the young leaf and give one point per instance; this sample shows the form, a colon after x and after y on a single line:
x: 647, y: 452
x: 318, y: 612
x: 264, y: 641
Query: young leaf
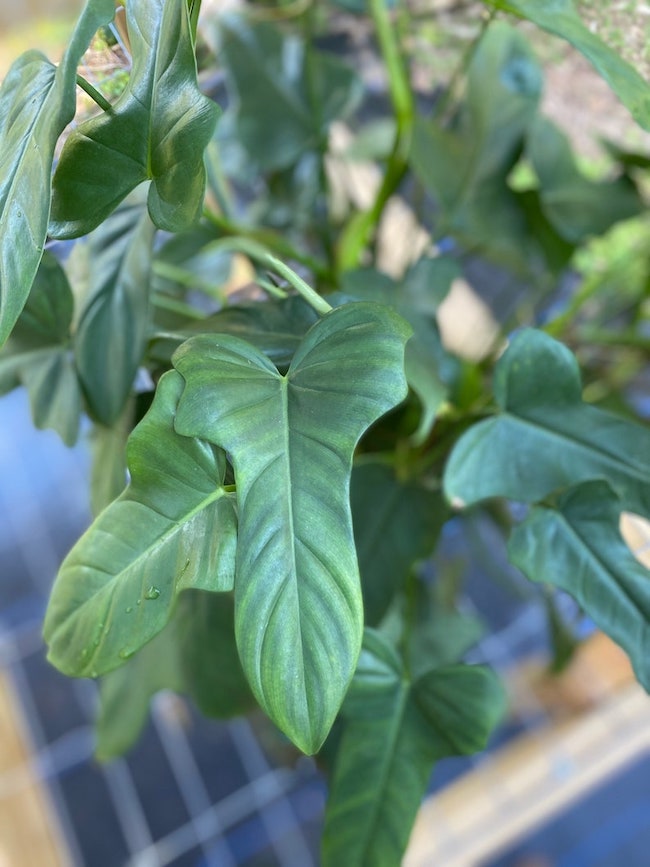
x: 278, y: 117
x: 395, y: 730
x: 195, y: 655
x: 577, y: 546
x: 38, y: 354
x: 157, y: 131
x: 545, y: 438
x: 576, y: 206
x: 560, y: 18
x: 173, y: 528
x: 396, y: 524
x: 111, y: 336
x: 298, y: 616
x: 37, y: 101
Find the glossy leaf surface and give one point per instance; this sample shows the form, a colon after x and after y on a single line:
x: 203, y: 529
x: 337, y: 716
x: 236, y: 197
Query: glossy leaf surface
x: 396, y: 524
x: 111, y: 336
x: 395, y: 730
x: 157, y: 131
x: 560, y: 18
x: 37, y: 101
x: 298, y: 611
x: 38, y: 354
x: 544, y: 437
x: 195, y: 655
x: 278, y: 89
x: 173, y: 528
x: 577, y: 546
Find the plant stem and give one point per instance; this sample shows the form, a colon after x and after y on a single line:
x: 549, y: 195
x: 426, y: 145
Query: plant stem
x: 94, y: 94
x: 363, y: 226
x: 260, y: 254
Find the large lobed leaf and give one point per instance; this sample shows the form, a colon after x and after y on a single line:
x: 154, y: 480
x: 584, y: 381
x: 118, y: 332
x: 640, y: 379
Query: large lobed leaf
x: 173, y: 528
x: 560, y: 18
x: 157, y: 131
x: 38, y: 354
x: 37, y: 101
x: 285, y: 100
x: 395, y: 729
x: 298, y: 614
x: 111, y: 335
x: 577, y: 546
x: 544, y: 438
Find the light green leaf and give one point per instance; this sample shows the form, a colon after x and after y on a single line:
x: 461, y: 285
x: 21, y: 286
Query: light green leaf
x: 277, y: 89
x: 395, y: 731
x: 466, y: 167
x: 111, y: 335
x: 157, y: 130
x: 108, y: 448
x: 396, y: 524
x: 38, y: 354
x: 544, y: 437
x: 173, y: 528
x: 577, y: 546
x: 298, y: 614
x: 576, y: 206
x: 37, y: 101
x: 195, y: 655
x: 560, y: 18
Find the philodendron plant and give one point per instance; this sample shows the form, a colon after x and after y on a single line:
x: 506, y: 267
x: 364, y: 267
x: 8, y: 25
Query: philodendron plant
x: 272, y: 467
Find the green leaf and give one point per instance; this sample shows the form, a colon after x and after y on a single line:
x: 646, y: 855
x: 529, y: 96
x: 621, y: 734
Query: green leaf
x: 111, y: 336
x: 275, y: 327
x: 416, y: 299
x: 298, y: 614
x: 560, y: 18
x: 577, y: 546
x: 466, y: 167
x: 173, y: 528
x: 544, y: 437
x: 108, y: 447
x: 285, y: 102
x: 396, y: 524
x: 157, y: 131
x: 37, y: 101
x: 38, y: 354
x: 576, y: 206
x: 195, y: 655
x: 395, y: 731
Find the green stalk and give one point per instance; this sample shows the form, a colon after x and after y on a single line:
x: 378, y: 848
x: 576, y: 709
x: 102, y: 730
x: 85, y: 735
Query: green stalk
x: 363, y: 226
x: 94, y: 94
x: 257, y: 253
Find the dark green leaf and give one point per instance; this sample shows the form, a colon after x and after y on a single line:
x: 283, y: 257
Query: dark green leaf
x: 37, y: 101
x: 173, y: 528
x: 195, y: 655
x: 560, y: 18
x: 278, y: 88
x: 395, y: 731
x: 291, y: 438
x: 38, y: 353
x: 466, y: 168
x: 396, y: 524
x: 111, y: 335
x: 544, y: 437
x: 157, y: 131
x: 576, y: 206
x: 577, y: 546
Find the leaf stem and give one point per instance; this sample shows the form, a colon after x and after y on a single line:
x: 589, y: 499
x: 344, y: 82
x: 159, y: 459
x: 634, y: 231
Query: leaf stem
x: 94, y: 94
x: 363, y: 226
x: 264, y: 257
